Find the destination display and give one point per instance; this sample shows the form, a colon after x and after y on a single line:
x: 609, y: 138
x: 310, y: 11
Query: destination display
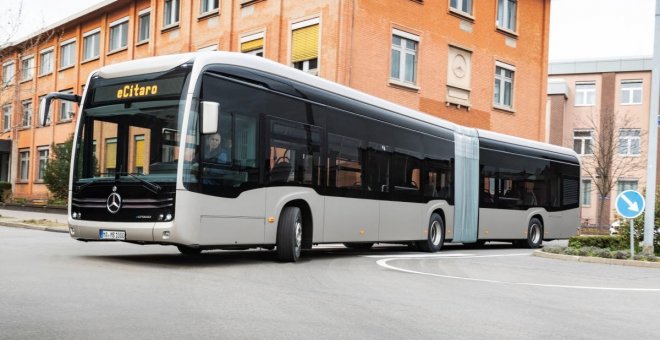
x: 139, y: 90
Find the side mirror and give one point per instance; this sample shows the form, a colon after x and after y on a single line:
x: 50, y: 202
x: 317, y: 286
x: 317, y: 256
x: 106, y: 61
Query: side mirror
x: 44, y: 105
x: 210, y: 115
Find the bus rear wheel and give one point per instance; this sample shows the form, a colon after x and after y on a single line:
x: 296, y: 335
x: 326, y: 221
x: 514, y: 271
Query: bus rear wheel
x: 289, y: 235
x: 435, y: 235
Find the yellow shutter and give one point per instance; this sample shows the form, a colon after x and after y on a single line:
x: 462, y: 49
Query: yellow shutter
x: 110, y: 154
x: 139, y: 152
x: 252, y: 45
x: 305, y: 43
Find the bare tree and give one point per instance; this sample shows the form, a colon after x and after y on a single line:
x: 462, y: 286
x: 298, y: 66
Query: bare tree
x: 607, y: 164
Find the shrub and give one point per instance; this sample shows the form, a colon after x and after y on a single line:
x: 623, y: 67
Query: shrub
x: 5, y: 190
x: 554, y: 250
x: 639, y: 257
x: 604, y: 253
x: 652, y: 258
x: 605, y: 242
x: 572, y: 251
x: 621, y: 254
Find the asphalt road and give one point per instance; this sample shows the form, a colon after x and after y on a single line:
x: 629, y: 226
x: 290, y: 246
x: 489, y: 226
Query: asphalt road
x: 56, y: 288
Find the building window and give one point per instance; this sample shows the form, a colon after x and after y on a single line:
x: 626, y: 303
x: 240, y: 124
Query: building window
x: 8, y: 72
x: 6, y: 117
x: 305, y: 45
x: 629, y: 142
x: 582, y: 142
x: 586, y: 192
x: 27, y: 68
x: 68, y: 54
x: 43, y: 161
x: 110, y: 155
x: 208, y: 6
x: 253, y: 44
x: 66, y: 108
x: 46, y: 64
x: 503, y: 92
x: 91, y: 45
x: 118, y: 35
x: 404, y: 57
x: 506, y: 14
x: 623, y: 185
x: 631, y: 92
x: 138, y: 155
x: 47, y: 122
x: 143, y: 25
x: 26, y: 120
x: 585, y: 94
x: 171, y: 13
x: 24, y: 165
x: 464, y: 6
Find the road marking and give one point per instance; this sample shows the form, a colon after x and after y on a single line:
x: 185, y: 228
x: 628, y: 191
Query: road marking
x: 384, y: 263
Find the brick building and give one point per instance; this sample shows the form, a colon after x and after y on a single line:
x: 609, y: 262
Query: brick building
x: 585, y: 100
x: 478, y: 63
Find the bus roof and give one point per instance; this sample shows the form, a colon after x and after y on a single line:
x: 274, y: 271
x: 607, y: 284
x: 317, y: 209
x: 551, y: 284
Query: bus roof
x: 201, y: 59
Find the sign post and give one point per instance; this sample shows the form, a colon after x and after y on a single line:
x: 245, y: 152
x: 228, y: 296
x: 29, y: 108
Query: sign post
x: 630, y: 204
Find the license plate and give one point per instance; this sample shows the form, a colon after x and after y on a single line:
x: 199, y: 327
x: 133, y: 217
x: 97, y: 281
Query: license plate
x: 112, y: 235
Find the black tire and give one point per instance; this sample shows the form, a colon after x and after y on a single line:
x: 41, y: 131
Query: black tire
x: 534, y: 234
x: 185, y: 250
x: 435, y: 235
x: 359, y: 245
x: 289, y: 235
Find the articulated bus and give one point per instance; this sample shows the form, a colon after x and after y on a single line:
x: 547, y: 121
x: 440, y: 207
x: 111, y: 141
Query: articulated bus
x: 219, y: 150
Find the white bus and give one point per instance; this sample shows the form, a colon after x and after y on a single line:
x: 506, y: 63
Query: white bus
x: 218, y: 150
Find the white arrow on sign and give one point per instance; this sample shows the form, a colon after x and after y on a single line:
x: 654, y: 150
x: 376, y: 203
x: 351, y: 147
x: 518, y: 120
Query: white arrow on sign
x: 631, y: 206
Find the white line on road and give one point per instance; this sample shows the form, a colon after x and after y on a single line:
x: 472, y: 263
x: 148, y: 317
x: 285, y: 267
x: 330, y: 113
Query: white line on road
x: 384, y: 263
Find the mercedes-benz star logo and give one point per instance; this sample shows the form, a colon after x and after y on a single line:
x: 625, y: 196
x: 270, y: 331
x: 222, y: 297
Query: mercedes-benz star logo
x: 113, y: 203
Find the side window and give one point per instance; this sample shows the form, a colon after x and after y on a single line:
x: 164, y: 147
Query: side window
x: 295, y: 153
x: 437, y: 181
x: 344, y: 165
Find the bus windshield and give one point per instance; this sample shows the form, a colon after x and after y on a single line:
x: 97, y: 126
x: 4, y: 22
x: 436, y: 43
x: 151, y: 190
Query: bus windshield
x: 130, y: 128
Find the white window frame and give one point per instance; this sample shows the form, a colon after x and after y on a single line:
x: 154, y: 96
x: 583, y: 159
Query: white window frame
x: 141, y: 15
x: 583, y: 140
x: 585, y: 96
x: 172, y: 18
x: 24, y: 165
x: 121, y: 28
x: 29, y: 69
x: 403, y: 52
x: 66, y: 107
x: 208, y: 4
x: 507, y: 19
x: 71, y: 43
x: 502, y: 79
x: 26, y: 119
x: 50, y: 63
x: 7, y: 75
x: 457, y: 6
x: 623, y: 184
x: 628, y: 93
x: 6, y: 116
x: 42, y: 162
x: 626, y: 142
x: 96, y: 44
x: 585, y: 192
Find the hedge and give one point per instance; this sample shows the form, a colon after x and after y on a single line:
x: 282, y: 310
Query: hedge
x: 605, y: 242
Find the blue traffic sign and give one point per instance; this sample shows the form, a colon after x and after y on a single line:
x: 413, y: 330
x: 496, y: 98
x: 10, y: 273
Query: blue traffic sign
x: 629, y: 204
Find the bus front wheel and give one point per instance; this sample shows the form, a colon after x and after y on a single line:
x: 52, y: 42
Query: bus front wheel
x: 289, y: 235
x: 435, y: 235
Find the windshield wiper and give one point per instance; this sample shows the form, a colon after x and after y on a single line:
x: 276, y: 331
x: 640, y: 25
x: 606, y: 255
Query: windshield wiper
x: 153, y: 187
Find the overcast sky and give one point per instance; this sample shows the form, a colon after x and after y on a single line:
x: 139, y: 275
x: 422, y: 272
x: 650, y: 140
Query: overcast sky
x: 579, y: 29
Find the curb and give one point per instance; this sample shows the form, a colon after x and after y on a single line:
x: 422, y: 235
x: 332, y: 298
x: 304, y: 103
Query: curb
x: 589, y: 259
x: 34, y: 227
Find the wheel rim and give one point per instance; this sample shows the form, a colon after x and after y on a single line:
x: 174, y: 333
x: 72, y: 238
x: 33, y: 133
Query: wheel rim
x: 298, y: 236
x: 535, y: 233
x: 435, y: 233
